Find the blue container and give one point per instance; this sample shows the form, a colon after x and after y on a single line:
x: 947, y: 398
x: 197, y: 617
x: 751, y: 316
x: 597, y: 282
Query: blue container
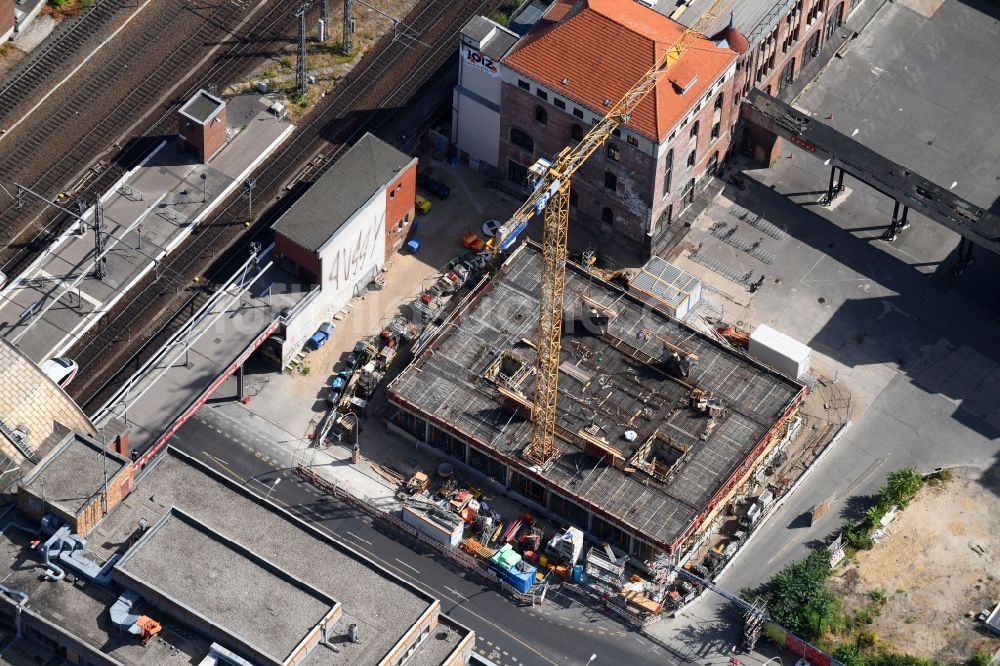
x: 578, y: 573
x: 413, y: 245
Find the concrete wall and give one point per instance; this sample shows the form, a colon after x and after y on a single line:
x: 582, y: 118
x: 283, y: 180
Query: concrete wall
x: 355, y: 252
x: 476, y: 106
x: 399, y: 208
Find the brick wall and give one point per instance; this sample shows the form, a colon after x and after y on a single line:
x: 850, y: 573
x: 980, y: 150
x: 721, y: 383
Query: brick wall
x: 633, y: 172
x: 780, y: 57
x: 718, y: 114
x: 304, y: 264
x: 28, y: 398
x: 204, y: 140
x: 399, y: 208
x: 6, y: 16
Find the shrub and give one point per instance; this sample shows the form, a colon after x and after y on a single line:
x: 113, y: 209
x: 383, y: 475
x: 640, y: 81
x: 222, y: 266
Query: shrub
x: 877, y: 596
x: 900, y: 487
x: 978, y: 659
x: 856, y: 535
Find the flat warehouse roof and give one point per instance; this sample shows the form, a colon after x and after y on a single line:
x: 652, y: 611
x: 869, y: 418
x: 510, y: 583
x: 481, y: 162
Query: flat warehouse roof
x: 225, y: 583
x: 383, y: 606
x: 615, y: 387
x: 74, y: 472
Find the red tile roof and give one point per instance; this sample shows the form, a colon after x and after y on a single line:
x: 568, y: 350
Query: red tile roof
x: 603, y: 47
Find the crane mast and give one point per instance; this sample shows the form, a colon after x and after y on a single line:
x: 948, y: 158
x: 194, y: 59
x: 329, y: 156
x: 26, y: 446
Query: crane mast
x: 551, y: 183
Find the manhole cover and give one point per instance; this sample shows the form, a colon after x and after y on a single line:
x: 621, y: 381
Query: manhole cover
x: 821, y: 300
x: 217, y: 340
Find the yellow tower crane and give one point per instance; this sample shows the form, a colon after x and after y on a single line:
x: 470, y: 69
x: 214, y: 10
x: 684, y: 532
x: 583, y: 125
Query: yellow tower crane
x: 551, y: 181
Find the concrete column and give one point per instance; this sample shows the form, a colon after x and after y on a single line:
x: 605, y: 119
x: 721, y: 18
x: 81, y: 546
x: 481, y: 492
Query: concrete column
x: 239, y: 382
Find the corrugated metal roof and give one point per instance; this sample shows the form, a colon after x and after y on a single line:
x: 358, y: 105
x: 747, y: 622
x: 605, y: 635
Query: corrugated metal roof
x: 664, y: 281
x: 363, y: 170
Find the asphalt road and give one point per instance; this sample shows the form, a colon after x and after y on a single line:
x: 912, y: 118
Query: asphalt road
x: 506, y: 634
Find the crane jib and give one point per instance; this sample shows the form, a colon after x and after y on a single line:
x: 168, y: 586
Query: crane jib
x: 509, y: 240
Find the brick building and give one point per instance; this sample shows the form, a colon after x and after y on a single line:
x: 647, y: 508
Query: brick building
x: 582, y: 56
x: 339, y: 234
x: 201, y: 125
x: 785, y: 40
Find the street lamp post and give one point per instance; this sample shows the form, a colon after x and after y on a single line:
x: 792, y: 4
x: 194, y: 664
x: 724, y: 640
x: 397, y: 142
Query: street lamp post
x: 274, y: 485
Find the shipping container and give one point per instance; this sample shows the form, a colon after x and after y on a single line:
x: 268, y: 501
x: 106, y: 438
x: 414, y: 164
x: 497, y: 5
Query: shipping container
x: 780, y: 352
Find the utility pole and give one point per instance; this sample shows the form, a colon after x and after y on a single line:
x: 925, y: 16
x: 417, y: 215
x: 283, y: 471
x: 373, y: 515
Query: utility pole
x: 300, y: 75
x: 324, y: 20
x: 99, y: 260
x: 348, y: 43
x: 248, y: 186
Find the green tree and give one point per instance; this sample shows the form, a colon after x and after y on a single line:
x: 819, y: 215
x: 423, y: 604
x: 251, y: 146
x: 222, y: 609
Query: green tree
x: 797, y: 597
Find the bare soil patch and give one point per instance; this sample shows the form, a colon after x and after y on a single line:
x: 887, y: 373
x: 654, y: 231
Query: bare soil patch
x: 938, y: 567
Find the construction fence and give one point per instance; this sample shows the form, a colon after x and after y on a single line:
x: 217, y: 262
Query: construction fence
x: 456, y: 555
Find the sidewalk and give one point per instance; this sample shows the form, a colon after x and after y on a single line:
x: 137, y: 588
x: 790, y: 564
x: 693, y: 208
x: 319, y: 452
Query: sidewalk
x: 148, y: 214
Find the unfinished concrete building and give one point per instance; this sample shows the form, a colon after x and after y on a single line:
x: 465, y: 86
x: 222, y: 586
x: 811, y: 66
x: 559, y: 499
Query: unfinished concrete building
x: 192, y: 568
x: 658, y: 428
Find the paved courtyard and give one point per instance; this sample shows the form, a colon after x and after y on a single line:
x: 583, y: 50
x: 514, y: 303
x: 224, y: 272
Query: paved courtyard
x: 915, y: 345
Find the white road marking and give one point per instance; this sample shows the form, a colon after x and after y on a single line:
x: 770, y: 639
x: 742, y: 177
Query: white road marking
x: 362, y: 540
x: 405, y: 564
x: 318, y: 515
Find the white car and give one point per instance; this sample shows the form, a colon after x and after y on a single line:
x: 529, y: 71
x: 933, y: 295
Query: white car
x: 61, y: 370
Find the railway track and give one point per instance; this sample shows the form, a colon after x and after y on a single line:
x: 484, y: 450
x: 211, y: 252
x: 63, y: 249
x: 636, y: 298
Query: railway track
x: 26, y: 242
x: 385, y: 80
x: 39, y: 66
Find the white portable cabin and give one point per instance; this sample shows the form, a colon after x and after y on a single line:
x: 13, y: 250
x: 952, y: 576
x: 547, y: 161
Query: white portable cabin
x: 779, y: 351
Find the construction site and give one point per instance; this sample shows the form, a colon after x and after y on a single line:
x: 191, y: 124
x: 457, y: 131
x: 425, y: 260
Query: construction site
x: 659, y: 427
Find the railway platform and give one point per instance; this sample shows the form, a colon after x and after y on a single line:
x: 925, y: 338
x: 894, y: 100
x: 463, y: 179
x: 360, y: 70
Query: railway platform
x: 212, y: 345
x: 149, y: 213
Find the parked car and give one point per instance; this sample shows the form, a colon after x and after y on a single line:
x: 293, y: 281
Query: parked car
x: 433, y: 185
x: 61, y: 370
x: 320, y: 337
x: 422, y: 205
x: 357, y: 353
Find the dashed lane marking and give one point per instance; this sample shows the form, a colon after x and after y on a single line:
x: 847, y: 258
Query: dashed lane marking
x: 406, y: 565
x: 360, y: 539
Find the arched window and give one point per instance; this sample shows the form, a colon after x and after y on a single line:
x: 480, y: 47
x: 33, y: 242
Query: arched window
x: 522, y: 139
x: 576, y: 132
x: 718, y: 100
x: 614, y: 152
x: 541, y: 115
x: 607, y: 216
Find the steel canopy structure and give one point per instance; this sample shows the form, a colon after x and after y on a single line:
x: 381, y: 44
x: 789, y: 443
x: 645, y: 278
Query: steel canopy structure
x: 910, y: 190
